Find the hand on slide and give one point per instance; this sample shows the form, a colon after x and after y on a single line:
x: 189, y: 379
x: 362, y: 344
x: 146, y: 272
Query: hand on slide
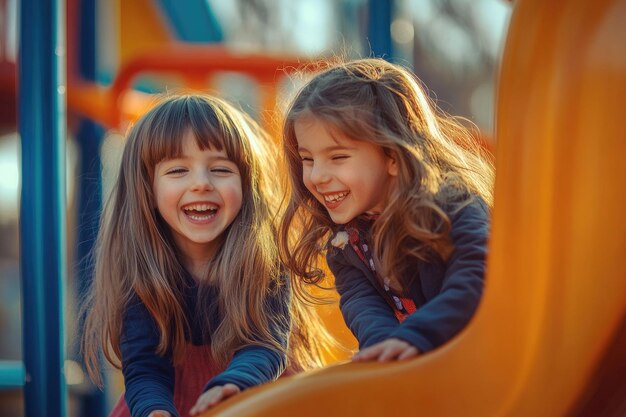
x: 212, y: 397
x: 387, y: 350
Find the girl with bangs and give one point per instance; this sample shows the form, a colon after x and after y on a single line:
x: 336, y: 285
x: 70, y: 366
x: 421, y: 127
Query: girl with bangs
x: 189, y: 295
x: 397, y: 196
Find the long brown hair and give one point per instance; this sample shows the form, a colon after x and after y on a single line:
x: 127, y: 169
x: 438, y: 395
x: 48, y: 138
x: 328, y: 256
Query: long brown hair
x: 441, y: 165
x: 135, y: 254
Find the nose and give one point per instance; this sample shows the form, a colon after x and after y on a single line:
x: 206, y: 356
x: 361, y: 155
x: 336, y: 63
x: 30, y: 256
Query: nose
x: 202, y: 181
x: 319, y: 174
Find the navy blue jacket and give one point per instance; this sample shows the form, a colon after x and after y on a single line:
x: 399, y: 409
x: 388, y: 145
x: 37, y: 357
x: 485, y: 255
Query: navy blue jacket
x: 446, y: 294
x: 149, y: 378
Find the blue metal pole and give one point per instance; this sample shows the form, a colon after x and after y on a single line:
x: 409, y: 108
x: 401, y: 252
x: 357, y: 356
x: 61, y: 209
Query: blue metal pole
x: 192, y: 20
x: 379, y: 28
x: 88, y: 138
x: 42, y: 209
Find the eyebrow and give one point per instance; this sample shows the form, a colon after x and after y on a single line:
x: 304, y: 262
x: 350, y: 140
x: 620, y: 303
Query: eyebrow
x: 329, y: 149
x: 219, y: 156
x: 224, y: 158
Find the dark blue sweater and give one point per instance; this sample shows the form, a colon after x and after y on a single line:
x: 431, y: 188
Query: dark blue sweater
x: 446, y: 294
x: 149, y: 378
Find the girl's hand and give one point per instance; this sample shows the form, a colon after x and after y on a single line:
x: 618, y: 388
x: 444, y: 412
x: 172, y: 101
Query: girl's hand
x: 388, y: 350
x: 212, y: 397
x: 159, y: 413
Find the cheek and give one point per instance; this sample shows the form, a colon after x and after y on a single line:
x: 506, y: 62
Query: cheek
x: 164, y: 203
x: 306, y: 178
x: 157, y: 197
x: 233, y: 192
x: 238, y: 198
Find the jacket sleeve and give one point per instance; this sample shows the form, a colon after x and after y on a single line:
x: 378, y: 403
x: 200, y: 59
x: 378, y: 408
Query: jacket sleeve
x: 148, y: 377
x: 365, y: 311
x: 256, y: 364
x: 448, y: 312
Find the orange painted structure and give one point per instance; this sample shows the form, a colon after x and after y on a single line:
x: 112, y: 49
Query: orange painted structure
x: 145, y: 47
x: 549, y: 338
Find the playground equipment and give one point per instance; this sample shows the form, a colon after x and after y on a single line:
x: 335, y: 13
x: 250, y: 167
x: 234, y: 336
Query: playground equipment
x: 549, y: 338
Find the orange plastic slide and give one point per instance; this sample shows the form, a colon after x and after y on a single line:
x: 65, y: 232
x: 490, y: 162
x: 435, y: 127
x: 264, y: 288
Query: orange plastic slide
x: 553, y: 314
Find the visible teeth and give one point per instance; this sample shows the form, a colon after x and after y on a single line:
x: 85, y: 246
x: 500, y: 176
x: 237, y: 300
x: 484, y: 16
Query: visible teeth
x: 200, y: 218
x: 200, y: 207
x: 333, y: 198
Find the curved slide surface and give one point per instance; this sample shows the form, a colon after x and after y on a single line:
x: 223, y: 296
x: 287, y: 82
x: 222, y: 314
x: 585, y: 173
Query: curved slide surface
x: 555, y: 299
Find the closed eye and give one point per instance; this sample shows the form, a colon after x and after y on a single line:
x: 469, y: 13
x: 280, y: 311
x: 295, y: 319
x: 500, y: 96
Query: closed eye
x: 339, y: 157
x: 306, y: 159
x: 175, y: 171
x: 222, y: 170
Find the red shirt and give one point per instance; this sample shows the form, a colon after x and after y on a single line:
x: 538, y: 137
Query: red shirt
x: 401, y: 306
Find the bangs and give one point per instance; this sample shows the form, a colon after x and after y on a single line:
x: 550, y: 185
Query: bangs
x: 169, y: 122
x: 351, y: 122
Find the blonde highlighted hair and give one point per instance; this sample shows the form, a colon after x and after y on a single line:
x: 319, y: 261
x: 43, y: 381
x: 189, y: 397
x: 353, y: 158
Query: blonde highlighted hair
x: 135, y: 254
x: 441, y: 165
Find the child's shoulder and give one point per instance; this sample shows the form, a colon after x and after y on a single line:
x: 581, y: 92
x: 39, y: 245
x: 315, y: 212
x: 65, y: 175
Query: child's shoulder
x: 455, y: 202
x: 470, y: 218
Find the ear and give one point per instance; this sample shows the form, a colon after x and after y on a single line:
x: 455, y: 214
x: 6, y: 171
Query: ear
x: 392, y: 164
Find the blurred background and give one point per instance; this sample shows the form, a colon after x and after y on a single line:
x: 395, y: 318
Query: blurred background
x: 119, y: 53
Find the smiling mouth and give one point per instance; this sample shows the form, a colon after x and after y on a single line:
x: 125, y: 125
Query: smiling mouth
x: 200, y: 212
x: 334, y: 198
